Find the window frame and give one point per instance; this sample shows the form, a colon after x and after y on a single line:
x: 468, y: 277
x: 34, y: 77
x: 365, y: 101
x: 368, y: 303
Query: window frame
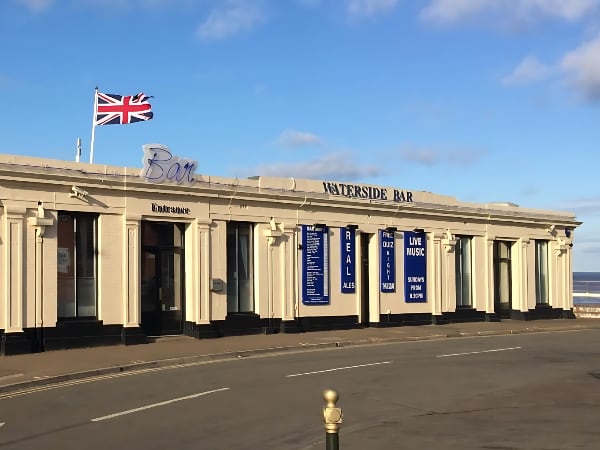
x: 463, y: 301
x: 247, y: 254
x: 542, y: 279
x: 75, y: 246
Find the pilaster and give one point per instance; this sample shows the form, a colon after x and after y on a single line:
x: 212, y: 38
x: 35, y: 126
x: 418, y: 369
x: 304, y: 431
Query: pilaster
x: 523, y: 287
x: 131, y: 272
x: 203, y: 313
x: 14, y: 276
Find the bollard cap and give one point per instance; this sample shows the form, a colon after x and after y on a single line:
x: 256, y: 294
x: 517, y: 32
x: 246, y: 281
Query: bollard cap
x: 331, y: 414
x: 331, y: 397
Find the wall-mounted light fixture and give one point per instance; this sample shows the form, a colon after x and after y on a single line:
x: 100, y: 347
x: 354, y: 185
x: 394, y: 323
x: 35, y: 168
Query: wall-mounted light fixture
x: 568, y: 232
x: 79, y: 193
x: 391, y: 229
x: 352, y: 226
x: 319, y: 226
x: 418, y: 230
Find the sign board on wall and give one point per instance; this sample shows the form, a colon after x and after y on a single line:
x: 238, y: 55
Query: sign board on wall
x: 315, y: 265
x: 160, y: 165
x: 348, y: 260
x: 415, y: 267
x: 387, y: 262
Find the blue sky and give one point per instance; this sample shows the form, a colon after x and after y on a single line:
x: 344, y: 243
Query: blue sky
x: 484, y: 100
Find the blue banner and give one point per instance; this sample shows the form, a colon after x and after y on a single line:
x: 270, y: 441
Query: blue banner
x: 348, y: 260
x: 415, y: 267
x: 387, y: 262
x: 315, y: 265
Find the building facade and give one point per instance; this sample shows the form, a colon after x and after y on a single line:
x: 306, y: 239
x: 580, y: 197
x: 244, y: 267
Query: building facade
x: 100, y: 255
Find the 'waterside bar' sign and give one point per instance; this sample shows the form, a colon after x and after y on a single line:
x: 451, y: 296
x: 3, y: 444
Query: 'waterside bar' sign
x: 366, y: 192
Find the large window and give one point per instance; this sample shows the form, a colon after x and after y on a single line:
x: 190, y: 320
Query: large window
x: 76, y: 264
x: 464, y: 292
x: 541, y: 272
x: 240, y: 269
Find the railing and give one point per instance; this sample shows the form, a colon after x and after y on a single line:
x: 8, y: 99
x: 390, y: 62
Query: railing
x: 585, y: 288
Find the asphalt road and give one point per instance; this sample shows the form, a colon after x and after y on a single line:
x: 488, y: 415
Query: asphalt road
x: 533, y: 391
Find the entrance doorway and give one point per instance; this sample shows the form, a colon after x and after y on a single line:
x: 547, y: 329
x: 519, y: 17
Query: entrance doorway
x: 162, y: 278
x: 502, y: 280
x: 364, y: 279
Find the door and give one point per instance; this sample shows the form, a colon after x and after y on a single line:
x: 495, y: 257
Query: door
x: 162, y: 281
x: 364, y: 279
x: 502, y: 280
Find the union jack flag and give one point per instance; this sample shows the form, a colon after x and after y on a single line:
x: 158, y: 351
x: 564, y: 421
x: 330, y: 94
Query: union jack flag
x: 122, y: 109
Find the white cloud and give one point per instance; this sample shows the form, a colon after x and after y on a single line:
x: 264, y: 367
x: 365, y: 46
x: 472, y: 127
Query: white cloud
x: 425, y: 157
x: 585, y: 206
x: 582, y: 69
x: 334, y: 166
x: 452, y: 11
x: 293, y: 138
x: 528, y: 70
x: 234, y: 17
x: 368, y: 8
x: 36, y: 6
x: 432, y: 157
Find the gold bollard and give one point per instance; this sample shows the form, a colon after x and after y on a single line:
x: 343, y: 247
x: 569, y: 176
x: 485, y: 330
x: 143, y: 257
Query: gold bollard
x: 333, y: 418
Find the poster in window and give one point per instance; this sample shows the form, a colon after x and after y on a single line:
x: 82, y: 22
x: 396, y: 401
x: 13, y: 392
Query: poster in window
x: 315, y: 265
x: 64, y: 260
x: 415, y: 267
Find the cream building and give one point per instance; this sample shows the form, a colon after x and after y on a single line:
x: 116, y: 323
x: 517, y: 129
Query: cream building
x: 99, y: 255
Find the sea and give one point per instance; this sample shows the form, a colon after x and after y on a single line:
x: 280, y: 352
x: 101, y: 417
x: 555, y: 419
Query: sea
x: 587, y: 285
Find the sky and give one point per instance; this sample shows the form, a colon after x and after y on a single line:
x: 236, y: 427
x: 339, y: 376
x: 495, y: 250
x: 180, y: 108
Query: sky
x: 483, y: 100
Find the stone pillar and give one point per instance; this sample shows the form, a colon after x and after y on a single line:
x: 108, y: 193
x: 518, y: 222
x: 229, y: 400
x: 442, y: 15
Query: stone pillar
x: 562, y: 292
x: 14, y: 340
x: 204, y: 315
x: 39, y: 222
x: 289, y: 277
x: 436, y: 254
x: 522, y: 288
x: 273, y: 234
x: 490, y: 309
x: 448, y: 297
x: 132, y: 333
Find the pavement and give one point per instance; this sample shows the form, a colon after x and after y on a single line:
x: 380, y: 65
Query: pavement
x: 38, y: 369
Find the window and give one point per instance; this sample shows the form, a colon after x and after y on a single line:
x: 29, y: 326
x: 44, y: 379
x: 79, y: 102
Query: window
x: 464, y: 295
x: 240, y: 269
x: 541, y: 272
x: 77, y: 264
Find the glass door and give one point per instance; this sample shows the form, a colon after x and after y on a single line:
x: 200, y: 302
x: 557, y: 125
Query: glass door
x: 162, y: 279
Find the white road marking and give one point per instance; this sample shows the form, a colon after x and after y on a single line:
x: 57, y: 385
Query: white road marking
x: 337, y: 368
x: 14, y: 375
x: 154, y: 405
x: 2, y: 424
x: 476, y: 353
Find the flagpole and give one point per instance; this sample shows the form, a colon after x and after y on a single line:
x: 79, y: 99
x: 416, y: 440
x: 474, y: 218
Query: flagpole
x: 94, y: 125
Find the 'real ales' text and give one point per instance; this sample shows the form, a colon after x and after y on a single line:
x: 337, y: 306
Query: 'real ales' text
x: 366, y: 192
